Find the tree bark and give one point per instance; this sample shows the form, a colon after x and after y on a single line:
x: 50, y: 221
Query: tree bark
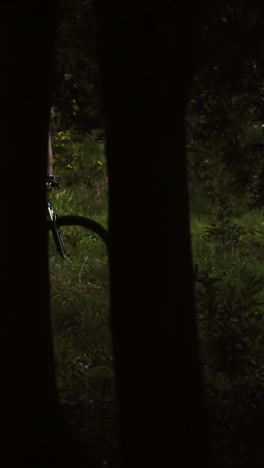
x: 30, y: 413
x: 148, y: 66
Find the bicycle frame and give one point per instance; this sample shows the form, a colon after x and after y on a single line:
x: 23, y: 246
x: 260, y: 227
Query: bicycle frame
x: 55, y: 221
x: 52, y: 225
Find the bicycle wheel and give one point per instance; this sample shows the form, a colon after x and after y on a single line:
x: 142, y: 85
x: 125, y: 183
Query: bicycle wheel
x: 87, y: 223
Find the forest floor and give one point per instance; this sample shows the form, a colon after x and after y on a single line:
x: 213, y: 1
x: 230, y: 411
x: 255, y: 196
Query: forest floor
x: 94, y: 429
x: 236, y: 423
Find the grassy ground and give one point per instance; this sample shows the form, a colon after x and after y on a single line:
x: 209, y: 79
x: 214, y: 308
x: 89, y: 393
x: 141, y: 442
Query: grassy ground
x: 80, y: 305
x: 80, y: 284
x: 228, y: 261
x: 228, y: 251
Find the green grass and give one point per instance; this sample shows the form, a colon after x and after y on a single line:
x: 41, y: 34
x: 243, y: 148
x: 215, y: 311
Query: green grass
x: 80, y: 284
x: 229, y: 292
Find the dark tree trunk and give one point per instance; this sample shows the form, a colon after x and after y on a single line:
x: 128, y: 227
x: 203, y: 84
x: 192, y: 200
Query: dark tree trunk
x: 29, y: 404
x: 148, y: 65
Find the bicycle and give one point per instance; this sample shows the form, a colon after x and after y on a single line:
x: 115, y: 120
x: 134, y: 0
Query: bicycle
x: 55, y: 222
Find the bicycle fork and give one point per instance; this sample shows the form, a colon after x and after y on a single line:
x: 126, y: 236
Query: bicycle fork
x: 53, y: 226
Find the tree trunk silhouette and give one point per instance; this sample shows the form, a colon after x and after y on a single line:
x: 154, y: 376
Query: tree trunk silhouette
x: 30, y: 414
x: 148, y: 62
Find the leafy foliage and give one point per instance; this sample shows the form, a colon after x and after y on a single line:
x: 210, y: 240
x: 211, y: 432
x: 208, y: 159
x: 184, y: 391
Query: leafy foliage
x: 231, y: 327
x: 220, y: 229
x: 79, y: 160
x: 76, y: 100
x: 225, y: 113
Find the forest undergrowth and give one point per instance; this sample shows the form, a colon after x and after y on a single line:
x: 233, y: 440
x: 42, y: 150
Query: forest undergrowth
x: 228, y: 250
